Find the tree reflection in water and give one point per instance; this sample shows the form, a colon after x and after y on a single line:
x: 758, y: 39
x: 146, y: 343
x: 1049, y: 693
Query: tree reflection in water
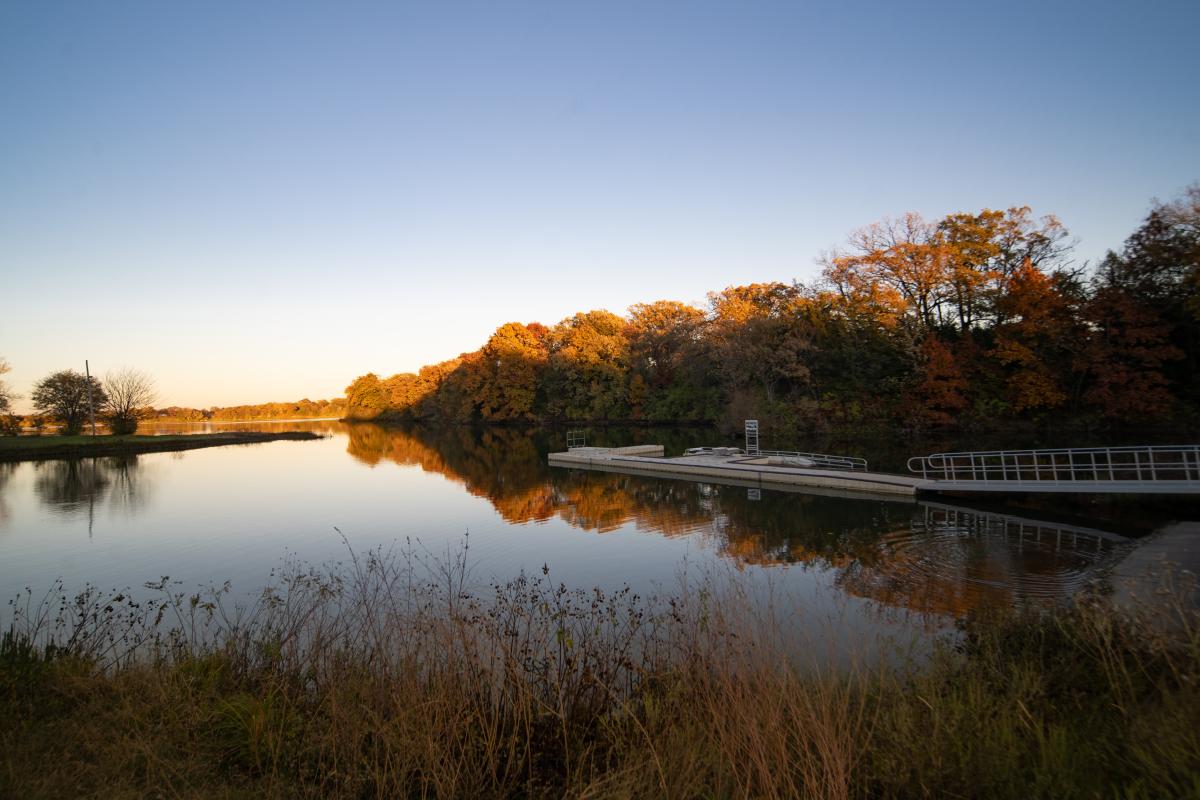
x: 901, y: 554
x: 6, y: 472
x: 76, y: 487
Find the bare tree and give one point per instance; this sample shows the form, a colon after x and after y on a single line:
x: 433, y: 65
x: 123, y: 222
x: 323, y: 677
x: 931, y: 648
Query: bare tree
x: 9, y: 424
x: 6, y: 393
x: 130, y: 393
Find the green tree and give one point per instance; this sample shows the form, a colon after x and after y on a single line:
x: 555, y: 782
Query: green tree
x: 64, y: 395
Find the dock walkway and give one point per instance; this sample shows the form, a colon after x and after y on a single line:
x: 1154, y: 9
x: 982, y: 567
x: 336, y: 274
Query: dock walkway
x: 649, y: 460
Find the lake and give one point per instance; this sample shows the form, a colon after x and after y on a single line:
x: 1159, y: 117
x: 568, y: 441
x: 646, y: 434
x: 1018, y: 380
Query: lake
x: 207, y: 516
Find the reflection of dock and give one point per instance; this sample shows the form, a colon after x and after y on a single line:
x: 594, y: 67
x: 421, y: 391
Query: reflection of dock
x: 946, y: 518
x: 750, y: 470
x: 951, y: 560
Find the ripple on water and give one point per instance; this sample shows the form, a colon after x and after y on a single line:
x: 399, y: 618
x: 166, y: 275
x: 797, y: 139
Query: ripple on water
x: 952, y: 561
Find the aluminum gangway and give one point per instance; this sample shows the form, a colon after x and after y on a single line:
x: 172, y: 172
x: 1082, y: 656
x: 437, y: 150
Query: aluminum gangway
x: 1157, y: 469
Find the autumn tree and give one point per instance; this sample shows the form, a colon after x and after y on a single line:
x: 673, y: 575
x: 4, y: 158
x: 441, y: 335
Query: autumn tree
x: 509, y: 371
x: 861, y: 350
x: 1160, y: 260
x: 761, y: 339
x: 904, y: 256
x: 983, y: 250
x: 65, y: 396
x: 1034, y: 343
x: 1125, y: 355
x: 588, y: 367
x: 365, y: 398
x: 948, y: 272
x: 670, y: 361
x: 129, y: 397
x: 1159, y: 268
x: 943, y: 390
x: 401, y: 393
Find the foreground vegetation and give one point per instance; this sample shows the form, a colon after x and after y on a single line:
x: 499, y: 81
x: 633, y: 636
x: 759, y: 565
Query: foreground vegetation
x: 24, y: 448
x: 970, y: 320
x: 391, y: 677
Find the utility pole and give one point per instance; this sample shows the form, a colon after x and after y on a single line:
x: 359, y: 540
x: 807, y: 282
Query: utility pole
x: 91, y: 408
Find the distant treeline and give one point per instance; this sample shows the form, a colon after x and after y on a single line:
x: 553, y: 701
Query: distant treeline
x: 969, y: 320
x: 300, y: 409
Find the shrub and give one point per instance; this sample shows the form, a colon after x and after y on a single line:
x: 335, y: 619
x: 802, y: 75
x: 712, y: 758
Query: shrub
x: 123, y: 426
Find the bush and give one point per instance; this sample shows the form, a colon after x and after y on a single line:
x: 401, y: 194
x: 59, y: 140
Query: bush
x: 123, y: 426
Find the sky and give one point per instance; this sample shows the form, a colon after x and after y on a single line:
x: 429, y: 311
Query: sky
x: 258, y: 202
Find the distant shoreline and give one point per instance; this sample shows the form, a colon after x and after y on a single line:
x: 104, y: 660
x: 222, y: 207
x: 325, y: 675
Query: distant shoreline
x: 41, y: 448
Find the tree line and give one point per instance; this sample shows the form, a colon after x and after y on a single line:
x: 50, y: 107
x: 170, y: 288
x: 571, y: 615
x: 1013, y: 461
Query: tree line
x: 124, y: 399
x: 972, y: 319
x: 298, y: 409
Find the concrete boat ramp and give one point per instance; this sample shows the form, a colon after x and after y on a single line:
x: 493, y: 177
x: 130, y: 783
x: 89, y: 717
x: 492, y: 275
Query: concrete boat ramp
x: 770, y: 471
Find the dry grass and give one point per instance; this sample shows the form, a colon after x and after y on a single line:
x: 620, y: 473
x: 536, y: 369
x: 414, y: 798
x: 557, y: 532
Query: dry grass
x: 390, y: 678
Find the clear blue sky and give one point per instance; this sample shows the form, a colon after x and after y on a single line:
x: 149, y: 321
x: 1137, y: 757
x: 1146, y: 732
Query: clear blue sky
x: 261, y: 204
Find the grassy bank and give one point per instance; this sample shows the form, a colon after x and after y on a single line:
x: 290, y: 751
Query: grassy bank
x: 385, y: 680
x: 32, y: 448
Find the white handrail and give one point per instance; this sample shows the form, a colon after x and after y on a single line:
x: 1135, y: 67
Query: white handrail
x: 1172, y: 463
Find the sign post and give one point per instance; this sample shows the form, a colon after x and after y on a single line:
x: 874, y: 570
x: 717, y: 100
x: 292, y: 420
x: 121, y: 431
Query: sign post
x: 752, y: 437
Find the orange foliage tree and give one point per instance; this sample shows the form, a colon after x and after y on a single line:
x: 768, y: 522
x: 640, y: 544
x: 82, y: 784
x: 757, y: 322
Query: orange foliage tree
x: 1034, y: 342
x: 510, y: 368
x: 589, y: 367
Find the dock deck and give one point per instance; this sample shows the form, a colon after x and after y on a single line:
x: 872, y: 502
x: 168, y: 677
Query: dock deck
x: 755, y: 470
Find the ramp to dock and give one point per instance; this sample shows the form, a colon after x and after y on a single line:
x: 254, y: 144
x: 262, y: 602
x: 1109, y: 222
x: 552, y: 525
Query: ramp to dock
x: 1138, y: 469
x: 750, y: 470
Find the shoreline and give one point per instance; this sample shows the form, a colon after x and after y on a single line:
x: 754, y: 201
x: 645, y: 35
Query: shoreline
x: 45, y: 448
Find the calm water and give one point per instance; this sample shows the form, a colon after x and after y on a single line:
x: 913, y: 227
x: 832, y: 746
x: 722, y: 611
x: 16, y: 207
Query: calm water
x: 233, y: 513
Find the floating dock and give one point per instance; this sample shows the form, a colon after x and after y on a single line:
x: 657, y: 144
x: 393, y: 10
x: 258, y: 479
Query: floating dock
x: 1141, y: 469
x: 729, y: 464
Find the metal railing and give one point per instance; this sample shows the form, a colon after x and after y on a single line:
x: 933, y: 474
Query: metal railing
x: 821, y: 460
x: 1096, y: 464
x: 575, y: 439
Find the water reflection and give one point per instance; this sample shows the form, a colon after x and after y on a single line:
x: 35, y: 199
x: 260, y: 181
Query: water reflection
x: 76, y: 487
x: 6, y: 472
x: 324, y: 426
x: 931, y: 558
x: 953, y: 560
